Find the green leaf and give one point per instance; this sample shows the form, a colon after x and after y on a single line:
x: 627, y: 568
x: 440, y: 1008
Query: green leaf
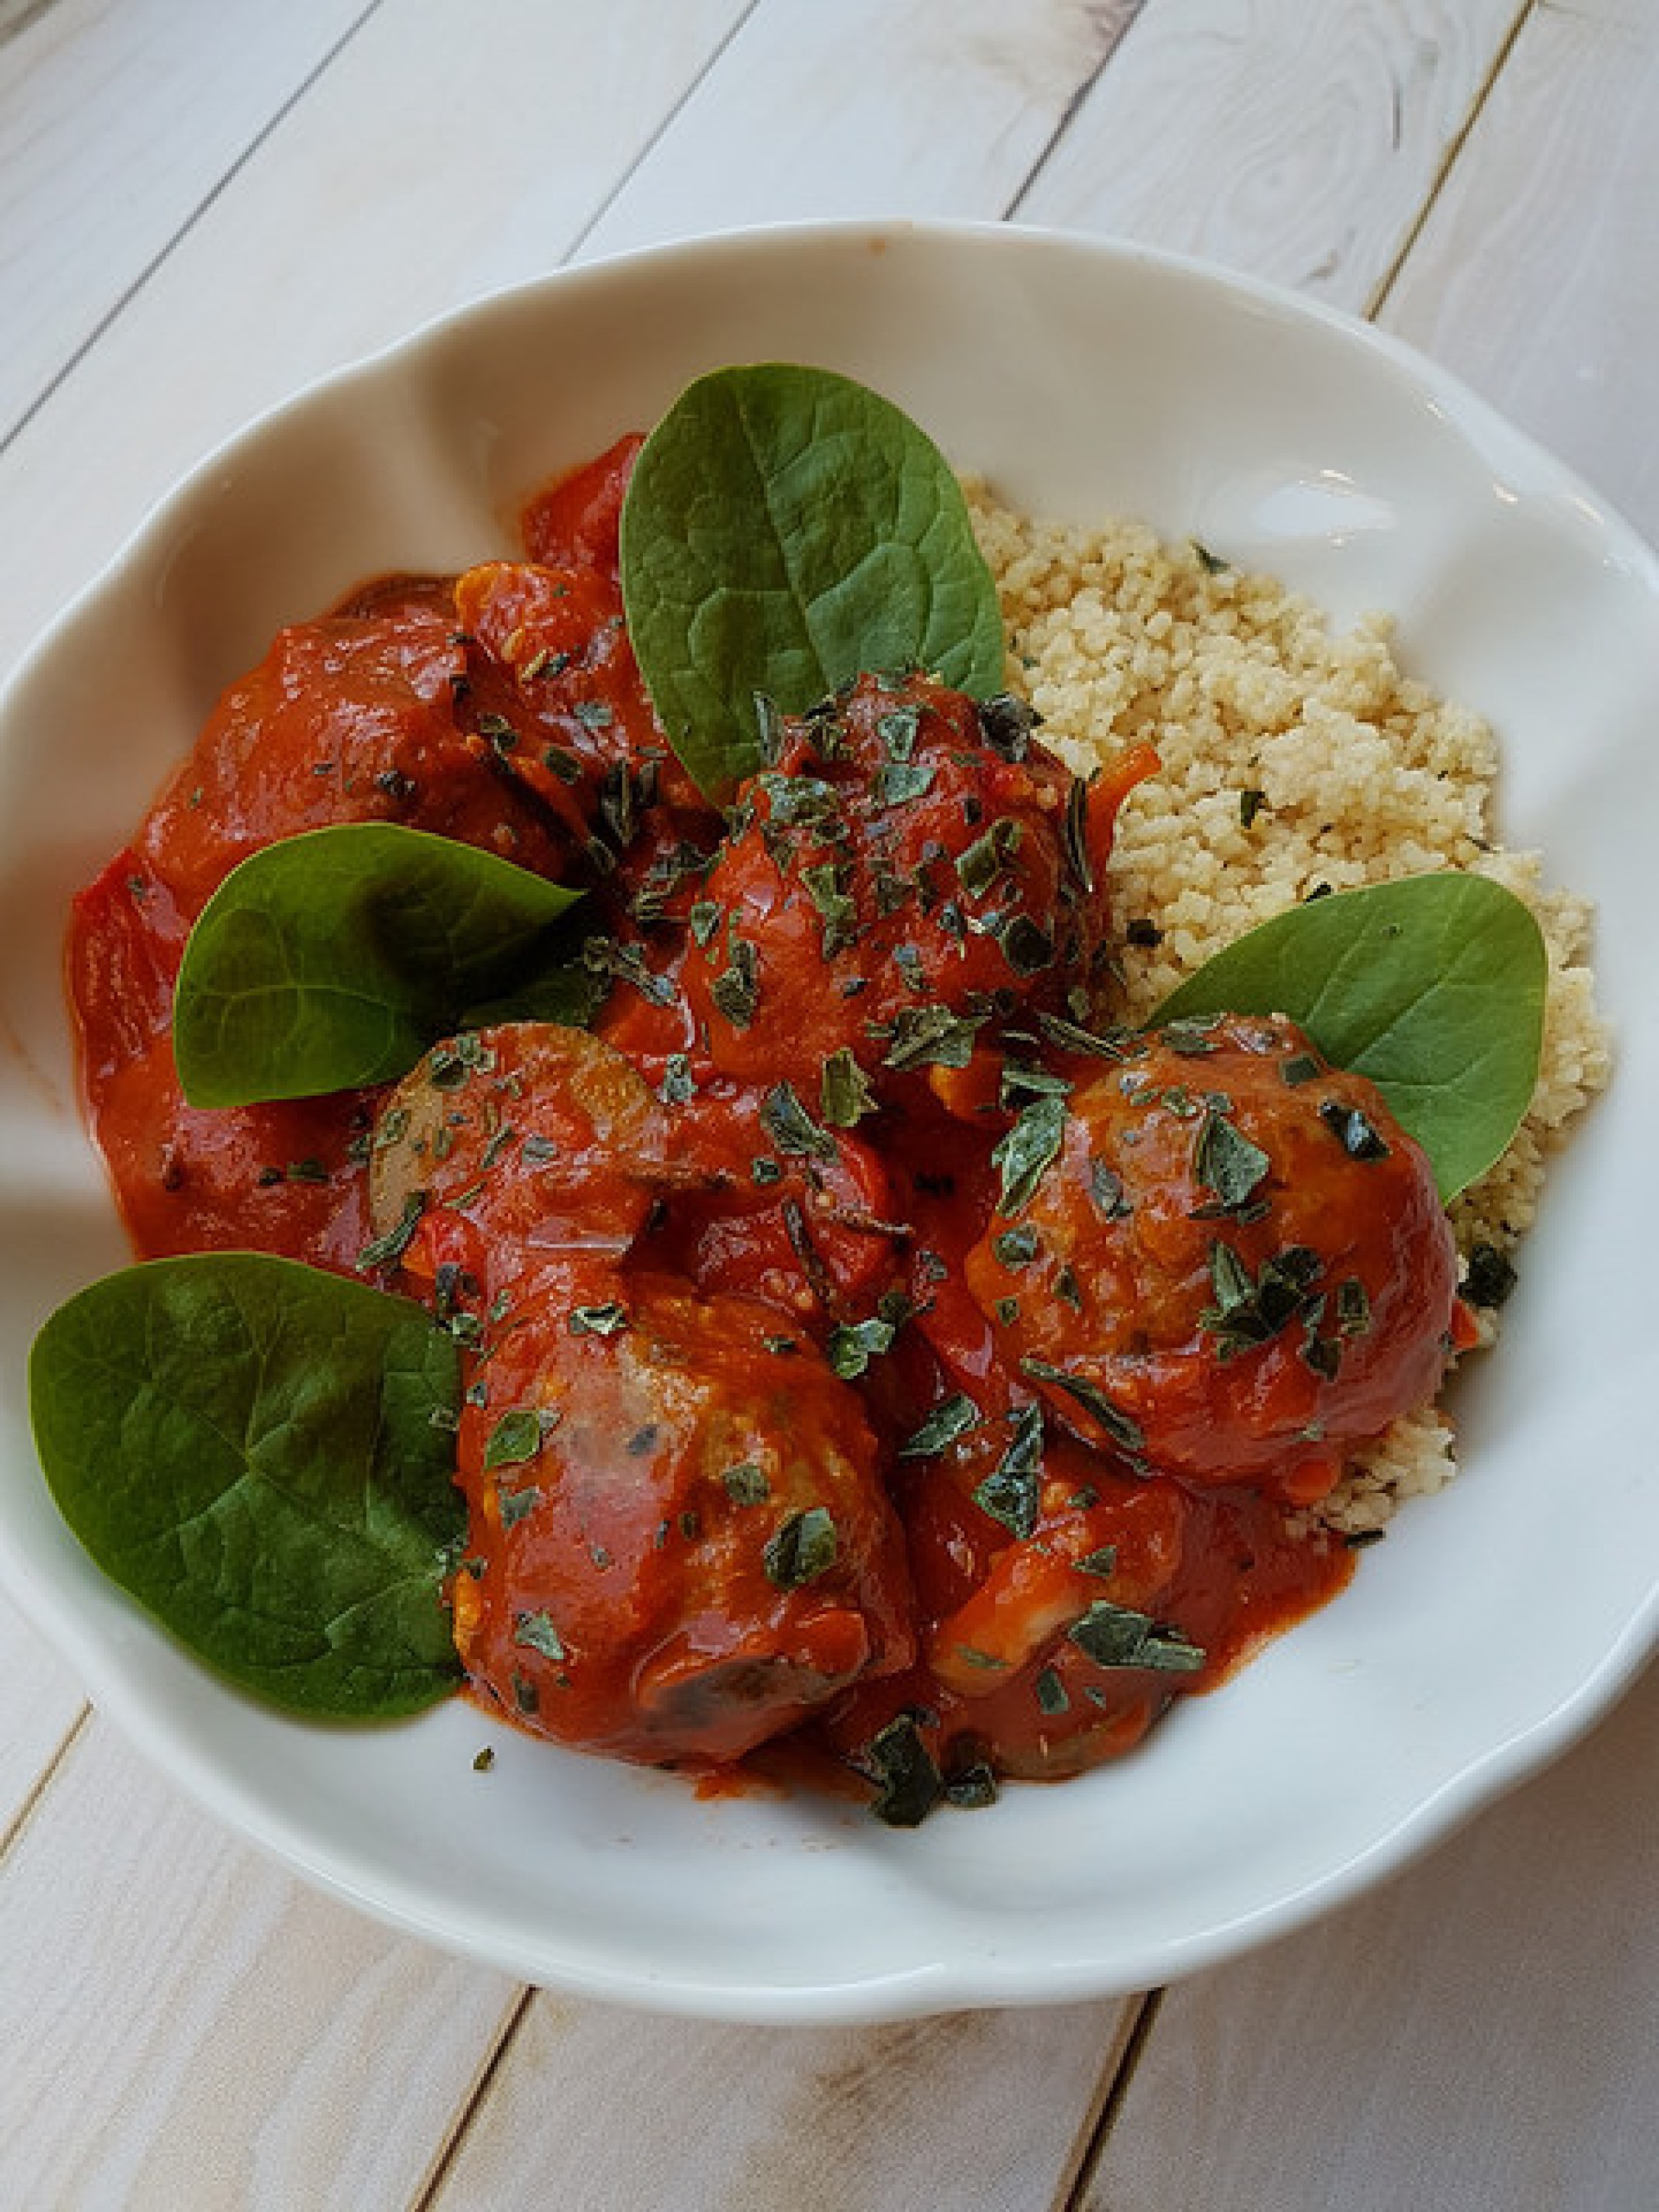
x: 950, y: 1419
x: 1029, y: 1149
x: 790, y: 1127
x: 1012, y: 1492
x: 261, y: 1454
x: 1432, y: 986
x: 785, y: 529
x: 1116, y: 1636
x: 335, y: 957
x: 801, y: 1548
x: 908, y: 1784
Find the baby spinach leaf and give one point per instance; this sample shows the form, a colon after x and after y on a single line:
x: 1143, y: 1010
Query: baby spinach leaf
x: 335, y: 957
x: 260, y: 1453
x: 1431, y: 985
x: 785, y: 529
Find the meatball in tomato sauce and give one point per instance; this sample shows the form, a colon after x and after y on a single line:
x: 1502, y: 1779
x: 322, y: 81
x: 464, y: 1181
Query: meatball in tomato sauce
x: 907, y: 851
x: 1233, y: 1264
x: 678, y: 1544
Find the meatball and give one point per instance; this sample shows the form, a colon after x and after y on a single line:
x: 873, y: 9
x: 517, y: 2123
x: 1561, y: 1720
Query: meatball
x: 557, y: 692
x: 348, y: 718
x: 544, y: 1138
x: 678, y: 1546
x: 1220, y: 1258
x: 894, y: 866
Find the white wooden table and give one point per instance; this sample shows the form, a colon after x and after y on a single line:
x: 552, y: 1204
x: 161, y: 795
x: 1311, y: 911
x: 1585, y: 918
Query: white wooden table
x: 204, y: 202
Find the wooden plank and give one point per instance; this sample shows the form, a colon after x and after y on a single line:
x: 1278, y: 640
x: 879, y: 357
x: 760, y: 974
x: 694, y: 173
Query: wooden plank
x: 444, y: 152
x: 184, y: 2025
x: 889, y: 107
x: 1296, y: 142
x: 1536, y: 275
x: 93, y: 191
x: 1481, y: 2033
x: 975, y: 2110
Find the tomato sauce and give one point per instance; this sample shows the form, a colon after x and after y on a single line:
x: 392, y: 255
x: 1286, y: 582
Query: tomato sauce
x: 825, y: 1385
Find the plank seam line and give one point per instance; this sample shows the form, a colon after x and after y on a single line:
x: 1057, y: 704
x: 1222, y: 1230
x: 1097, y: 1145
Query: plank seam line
x: 1068, y: 113
x: 44, y: 1780
x: 1448, y: 160
x: 444, y: 2157
x: 716, y: 55
x: 119, y: 305
x: 16, y: 27
x: 1075, y: 2187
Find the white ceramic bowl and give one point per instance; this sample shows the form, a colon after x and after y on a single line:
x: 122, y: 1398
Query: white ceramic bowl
x: 1497, y: 1620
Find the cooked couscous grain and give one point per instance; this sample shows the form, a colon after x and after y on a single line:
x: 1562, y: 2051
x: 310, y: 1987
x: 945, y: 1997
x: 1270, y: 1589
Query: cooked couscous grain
x: 1293, y: 757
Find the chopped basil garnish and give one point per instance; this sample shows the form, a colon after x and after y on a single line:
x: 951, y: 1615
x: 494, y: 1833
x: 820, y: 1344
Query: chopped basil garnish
x: 1252, y: 1310
x: 1012, y: 1493
x: 537, y: 1631
x: 1353, y: 1307
x: 951, y: 1418
x: 1074, y: 834
x: 932, y: 1037
x: 679, y: 1086
x: 1226, y: 1161
x: 1123, y: 1430
x: 1106, y: 1189
x: 899, y: 781
x: 626, y: 964
x: 801, y: 1548
x: 1353, y: 1130
x: 736, y: 990
x: 897, y: 730
x: 1114, y: 1636
x: 516, y: 1436
x: 1018, y: 1085
x: 383, y: 1251
x: 1190, y: 1034
x: 598, y: 1321
x: 1072, y: 1036
x: 1051, y: 1692
x: 791, y: 1129
x: 844, y: 1097
x: 972, y: 1789
x: 906, y: 1773
x: 853, y: 1344
x: 1006, y: 723
x: 1491, y: 1277
x: 746, y: 1484
x: 1028, y: 1151
x: 1026, y: 948
x: 517, y: 1504
x: 978, y: 865
x: 826, y: 886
